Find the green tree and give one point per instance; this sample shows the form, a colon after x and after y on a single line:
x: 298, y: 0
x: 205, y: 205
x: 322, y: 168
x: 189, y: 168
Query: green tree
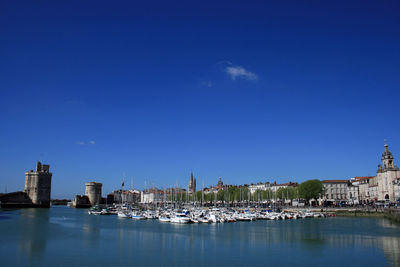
x: 198, y: 196
x: 221, y: 195
x: 310, y: 189
x: 286, y: 193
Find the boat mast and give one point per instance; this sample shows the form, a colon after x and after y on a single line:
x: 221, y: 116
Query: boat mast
x: 202, y: 195
x: 122, y: 187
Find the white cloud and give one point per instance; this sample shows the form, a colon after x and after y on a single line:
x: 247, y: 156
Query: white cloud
x: 240, y: 72
x: 208, y: 84
x: 88, y: 143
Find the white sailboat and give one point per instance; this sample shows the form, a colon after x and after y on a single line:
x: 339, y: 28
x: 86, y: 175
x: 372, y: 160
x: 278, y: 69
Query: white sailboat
x: 180, y: 218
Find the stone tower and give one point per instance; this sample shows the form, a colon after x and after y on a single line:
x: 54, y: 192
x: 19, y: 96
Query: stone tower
x: 38, y: 185
x: 387, y: 159
x: 93, y: 192
x: 386, y: 174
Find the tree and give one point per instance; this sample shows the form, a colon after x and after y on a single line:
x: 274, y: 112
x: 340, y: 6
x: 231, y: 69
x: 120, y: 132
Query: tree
x: 198, y: 195
x: 286, y: 193
x: 221, y: 195
x: 311, y: 189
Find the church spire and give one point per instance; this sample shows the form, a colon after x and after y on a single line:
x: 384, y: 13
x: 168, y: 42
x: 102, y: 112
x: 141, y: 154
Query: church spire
x: 190, y: 187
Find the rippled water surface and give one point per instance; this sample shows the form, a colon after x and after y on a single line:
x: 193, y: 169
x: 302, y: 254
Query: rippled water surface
x: 62, y: 236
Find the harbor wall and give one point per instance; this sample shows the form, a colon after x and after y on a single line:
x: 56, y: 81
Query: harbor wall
x: 17, y: 200
x: 393, y: 215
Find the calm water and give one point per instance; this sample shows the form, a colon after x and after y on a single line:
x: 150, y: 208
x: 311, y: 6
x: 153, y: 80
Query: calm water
x: 64, y: 236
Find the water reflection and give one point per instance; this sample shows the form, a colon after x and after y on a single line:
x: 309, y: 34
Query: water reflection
x: 90, y: 231
x: 107, y: 240
x: 313, y: 236
x: 33, y: 233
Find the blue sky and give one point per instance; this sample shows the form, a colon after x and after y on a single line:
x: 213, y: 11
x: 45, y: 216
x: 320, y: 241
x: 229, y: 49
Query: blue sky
x: 244, y: 90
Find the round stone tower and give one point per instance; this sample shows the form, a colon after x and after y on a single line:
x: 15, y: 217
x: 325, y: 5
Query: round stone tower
x: 93, y: 192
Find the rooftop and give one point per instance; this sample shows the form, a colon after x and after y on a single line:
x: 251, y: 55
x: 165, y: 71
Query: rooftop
x: 361, y: 178
x: 334, y: 181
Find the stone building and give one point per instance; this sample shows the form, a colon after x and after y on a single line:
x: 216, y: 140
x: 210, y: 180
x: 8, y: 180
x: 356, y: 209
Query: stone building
x: 149, y: 197
x: 353, y: 194
x: 93, y: 192
x: 81, y: 202
x: 259, y: 186
x: 373, y: 192
x: 386, y: 175
x: 126, y: 196
x: 366, y: 188
x: 155, y: 195
x: 38, y: 185
x: 396, y: 189
x: 335, y: 190
x: 275, y: 187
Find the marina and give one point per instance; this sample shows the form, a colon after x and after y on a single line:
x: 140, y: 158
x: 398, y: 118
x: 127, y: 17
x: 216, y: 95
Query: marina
x: 205, y: 215
x: 66, y: 236
x: 200, y: 133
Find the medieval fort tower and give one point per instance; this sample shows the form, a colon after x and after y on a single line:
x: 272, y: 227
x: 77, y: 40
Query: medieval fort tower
x: 38, y: 185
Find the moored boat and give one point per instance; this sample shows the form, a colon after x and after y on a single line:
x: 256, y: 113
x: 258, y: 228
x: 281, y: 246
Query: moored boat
x: 180, y: 218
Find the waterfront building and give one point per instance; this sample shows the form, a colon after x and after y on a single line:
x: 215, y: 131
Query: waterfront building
x: 373, y: 192
x: 335, y: 190
x: 259, y: 186
x: 38, y: 185
x: 211, y: 190
x: 126, y: 196
x: 275, y: 187
x: 396, y: 189
x: 93, y: 192
x: 148, y: 197
x: 353, y: 194
x: 37, y: 190
x: 366, y: 188
x: 155, y: 195
x: 92, y: 196
x: 81, y: 202
x: 386, y: 175
x: 220, y: 186
x: 270, y: 186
